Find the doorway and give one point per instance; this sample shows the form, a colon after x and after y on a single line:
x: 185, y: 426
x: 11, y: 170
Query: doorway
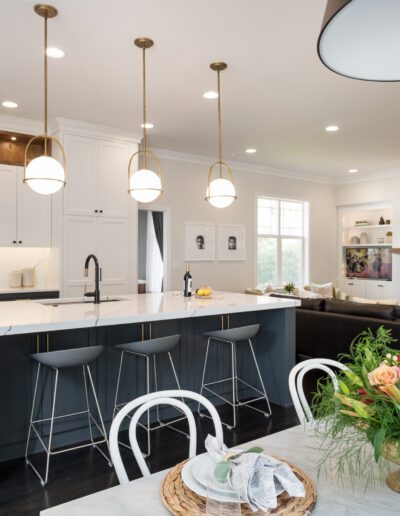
x: 151, y: 251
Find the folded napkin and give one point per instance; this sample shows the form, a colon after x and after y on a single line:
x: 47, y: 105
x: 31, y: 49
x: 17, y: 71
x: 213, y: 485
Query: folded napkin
x: 259, y: 479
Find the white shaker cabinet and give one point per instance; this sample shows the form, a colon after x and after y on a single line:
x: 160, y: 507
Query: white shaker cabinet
x: 25, y: 216
x: 97, y: 177
x: 379, y: 290
x: 109, y: 239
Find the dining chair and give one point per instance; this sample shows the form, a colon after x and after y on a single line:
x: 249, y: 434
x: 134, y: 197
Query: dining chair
x: 143, y: 404
x: 296, y: 378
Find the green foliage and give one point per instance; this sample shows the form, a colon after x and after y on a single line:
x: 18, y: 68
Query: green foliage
x: 222, y: 468
x: 359, y: 414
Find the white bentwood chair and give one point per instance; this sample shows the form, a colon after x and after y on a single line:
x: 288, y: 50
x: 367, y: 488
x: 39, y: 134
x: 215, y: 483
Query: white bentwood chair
x: 143, y: 404
x: 296, y: 378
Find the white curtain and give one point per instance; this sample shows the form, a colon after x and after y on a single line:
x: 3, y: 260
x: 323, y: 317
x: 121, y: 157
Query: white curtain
x: 154, y: 263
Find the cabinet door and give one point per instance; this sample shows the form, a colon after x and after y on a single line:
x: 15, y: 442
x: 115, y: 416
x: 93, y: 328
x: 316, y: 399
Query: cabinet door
x: 8, y: 206
x: 34, y: 216
x: 115, y: 255
x: 80, y: 240
x: 353, y: 287
x: 113, y: 179
x: 81, y: 191
x: 379, y: 290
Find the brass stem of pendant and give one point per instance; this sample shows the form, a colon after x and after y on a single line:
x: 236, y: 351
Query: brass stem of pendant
x: 219, y: 67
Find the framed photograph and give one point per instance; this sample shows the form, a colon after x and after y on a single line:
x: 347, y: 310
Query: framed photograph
x: 199, y: 242
x: 231, y: 242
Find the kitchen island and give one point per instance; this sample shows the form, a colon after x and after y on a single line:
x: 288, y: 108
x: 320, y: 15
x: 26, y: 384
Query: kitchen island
x: 27, y: 327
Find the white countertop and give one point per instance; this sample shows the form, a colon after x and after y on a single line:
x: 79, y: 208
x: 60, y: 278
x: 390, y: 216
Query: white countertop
x: 28, y: 316
x: 141, y: 497
x: 21, y: 290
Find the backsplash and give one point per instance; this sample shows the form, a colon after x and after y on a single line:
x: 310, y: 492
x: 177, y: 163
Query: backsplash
x: 16, y: 258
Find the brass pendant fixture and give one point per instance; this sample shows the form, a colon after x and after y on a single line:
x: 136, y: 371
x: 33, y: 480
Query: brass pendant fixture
x: 360, y: 39
x: 44, y: 174
x: 221, y: 192
x: 144, y: 185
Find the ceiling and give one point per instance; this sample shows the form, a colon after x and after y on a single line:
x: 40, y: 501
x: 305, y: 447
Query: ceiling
x: 276, y: 94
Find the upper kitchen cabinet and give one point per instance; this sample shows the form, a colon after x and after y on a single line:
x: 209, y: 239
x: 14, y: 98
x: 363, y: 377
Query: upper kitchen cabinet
x: 25, y: 216
x: 96, y: 177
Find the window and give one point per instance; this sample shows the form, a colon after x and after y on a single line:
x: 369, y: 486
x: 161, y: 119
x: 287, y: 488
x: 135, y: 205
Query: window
x: 282, y: 243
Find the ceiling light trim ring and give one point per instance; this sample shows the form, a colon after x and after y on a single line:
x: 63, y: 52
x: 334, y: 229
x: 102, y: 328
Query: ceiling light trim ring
x: 333, y: 9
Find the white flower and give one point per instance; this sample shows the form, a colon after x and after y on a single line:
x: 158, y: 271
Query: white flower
x: 395, y: 358
x: 388, y: 355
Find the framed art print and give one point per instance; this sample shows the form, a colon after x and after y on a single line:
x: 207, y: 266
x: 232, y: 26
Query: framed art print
x: 199, y: 242
x: 231, y: 242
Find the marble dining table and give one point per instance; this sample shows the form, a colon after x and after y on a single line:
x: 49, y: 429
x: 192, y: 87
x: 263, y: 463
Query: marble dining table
x: 298, y: 445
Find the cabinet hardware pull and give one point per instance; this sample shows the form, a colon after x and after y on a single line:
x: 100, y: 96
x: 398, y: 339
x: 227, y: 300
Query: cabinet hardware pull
x: 101, y: 211
x: 95, y: 211
x: 14, y: 241
x: 20, y: 241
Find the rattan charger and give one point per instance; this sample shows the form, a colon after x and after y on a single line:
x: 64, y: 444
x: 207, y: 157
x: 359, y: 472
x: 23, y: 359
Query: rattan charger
x: 181, y: 501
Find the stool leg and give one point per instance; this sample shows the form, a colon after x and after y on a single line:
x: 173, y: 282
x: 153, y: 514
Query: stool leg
x: 156, y: 386
x: 100, y: 417
x: 118, y: 380
x: 204, y: 375
x: 234, y: 385
x: 32, y: 412
x: 148, y: 412
x: 51, y: 429
x: 87, y: 404
x: 262, y: 383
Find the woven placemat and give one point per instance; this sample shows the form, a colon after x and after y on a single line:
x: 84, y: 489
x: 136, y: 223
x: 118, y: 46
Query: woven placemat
x: 182, y: 501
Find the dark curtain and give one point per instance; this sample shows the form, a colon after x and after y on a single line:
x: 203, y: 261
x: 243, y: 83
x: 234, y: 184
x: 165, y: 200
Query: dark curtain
x: 158, y: 228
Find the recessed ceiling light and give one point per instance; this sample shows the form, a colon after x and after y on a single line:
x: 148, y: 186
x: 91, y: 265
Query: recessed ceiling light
x: 251, y: 151
x: 210, y: 95
x: 353, y: 170
x: 148, y: 125
x: 331, y: 128
x: 55, y: 52
x: 13, y: 138
x: 9, y: 104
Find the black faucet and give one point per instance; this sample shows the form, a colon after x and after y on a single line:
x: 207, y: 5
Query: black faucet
x: 97, y: 278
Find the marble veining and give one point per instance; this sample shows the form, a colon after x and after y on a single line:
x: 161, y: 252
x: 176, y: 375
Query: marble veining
x: 297, y: 445
x: 28, y: 316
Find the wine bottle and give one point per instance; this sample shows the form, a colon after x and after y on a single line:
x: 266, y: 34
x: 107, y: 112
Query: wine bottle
x: 187, y: 283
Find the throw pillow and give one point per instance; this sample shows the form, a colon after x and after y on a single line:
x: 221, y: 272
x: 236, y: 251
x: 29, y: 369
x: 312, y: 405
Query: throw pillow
x: 306, y: 294
x: 340, y: 294
x: 376, y: 301
x: 325, y: 290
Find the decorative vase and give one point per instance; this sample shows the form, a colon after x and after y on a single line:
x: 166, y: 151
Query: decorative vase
x: 354, y: 240
x: 391, y: 451
x: 364, y: 238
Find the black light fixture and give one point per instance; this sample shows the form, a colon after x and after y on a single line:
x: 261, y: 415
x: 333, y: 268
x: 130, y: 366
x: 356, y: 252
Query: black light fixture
x: 360, y: 39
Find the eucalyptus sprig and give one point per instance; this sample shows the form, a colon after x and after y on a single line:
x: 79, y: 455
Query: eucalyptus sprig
x: 222, y: 468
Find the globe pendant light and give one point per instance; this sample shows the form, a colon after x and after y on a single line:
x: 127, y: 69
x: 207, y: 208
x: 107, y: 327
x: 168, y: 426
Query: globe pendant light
x: 220, y: 192
x: 144, y: 184
x: 360, y: 39
x: 45, y: 175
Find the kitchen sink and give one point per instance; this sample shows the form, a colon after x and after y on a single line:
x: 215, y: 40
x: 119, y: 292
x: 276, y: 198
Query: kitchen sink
x: 79, y: 301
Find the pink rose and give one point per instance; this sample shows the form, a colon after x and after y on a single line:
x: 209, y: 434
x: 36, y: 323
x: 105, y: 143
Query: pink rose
x: 384, y: 375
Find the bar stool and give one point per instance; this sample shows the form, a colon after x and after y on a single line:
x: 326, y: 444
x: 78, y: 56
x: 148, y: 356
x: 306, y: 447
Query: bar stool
x: 232, y: 337
x: 149, y: 349
x: 58, y: 360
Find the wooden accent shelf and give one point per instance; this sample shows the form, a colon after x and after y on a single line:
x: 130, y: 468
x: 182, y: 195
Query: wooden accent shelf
x: 12, y: 152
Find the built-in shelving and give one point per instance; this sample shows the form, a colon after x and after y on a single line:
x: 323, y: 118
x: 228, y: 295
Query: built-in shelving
x: 367, y: 245
x: 370, y: 226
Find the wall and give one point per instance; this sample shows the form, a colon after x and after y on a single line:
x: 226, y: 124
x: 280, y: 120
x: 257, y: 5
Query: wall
x: 184, y: 184
x: 16, y: 258
x: 361, y: 192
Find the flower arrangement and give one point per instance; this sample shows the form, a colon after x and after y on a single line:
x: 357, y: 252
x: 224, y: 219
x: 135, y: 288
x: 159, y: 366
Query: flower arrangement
x: 366, y: 409
x: 289, y: 288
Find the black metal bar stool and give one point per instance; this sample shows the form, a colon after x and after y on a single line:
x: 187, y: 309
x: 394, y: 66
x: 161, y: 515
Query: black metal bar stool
x: 233, y: 336
x: 149, y: 350
x: 58, y: 360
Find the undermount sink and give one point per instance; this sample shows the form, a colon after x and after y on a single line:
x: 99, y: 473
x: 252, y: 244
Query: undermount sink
x: 80, y: 301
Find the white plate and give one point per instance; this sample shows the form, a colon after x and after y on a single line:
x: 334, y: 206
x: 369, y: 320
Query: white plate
x: 203, y: 471
x: 191, y: 483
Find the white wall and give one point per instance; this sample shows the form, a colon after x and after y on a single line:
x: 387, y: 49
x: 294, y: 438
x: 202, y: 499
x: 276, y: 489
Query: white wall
x: 17, y: 258
x: 184, y: 185
x: 361, y: 192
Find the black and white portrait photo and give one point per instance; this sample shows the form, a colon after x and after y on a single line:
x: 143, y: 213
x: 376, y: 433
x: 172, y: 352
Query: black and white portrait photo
x: 200, y: 242
x: 232, y: 243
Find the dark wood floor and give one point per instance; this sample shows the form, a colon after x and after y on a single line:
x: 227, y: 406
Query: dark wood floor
x: 82, y: 472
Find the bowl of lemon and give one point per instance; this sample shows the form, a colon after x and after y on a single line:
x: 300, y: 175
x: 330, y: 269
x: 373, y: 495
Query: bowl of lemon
x: 204, y: 292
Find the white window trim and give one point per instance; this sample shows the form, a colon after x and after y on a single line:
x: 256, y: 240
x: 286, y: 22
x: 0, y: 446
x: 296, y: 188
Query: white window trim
x: 279, y: 237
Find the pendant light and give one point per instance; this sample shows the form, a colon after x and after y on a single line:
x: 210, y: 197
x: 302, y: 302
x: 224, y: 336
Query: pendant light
x: 144, y: 184
x: 45, y: 175
x: 221, y: 192
x: 360, y: 39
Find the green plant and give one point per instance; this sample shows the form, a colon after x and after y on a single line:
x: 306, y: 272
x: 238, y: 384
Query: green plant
x: 365, y: 410
x: 289, y: 287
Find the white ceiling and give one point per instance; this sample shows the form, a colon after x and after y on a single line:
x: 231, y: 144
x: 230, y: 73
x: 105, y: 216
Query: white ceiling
x: 276, y: 97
